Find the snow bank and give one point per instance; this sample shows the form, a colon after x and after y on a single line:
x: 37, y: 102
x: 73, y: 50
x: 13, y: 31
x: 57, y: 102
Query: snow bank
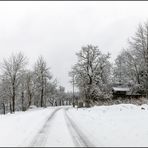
x: 116, y: 125
x: 19, y: 129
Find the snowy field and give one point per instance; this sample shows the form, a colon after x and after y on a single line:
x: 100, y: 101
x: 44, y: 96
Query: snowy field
x: 116, y: 125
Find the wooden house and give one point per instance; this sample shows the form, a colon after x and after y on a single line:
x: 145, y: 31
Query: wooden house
x: 120, y: 91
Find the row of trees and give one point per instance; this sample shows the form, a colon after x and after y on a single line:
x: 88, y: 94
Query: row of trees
x: 20, y: 87
x: 94, y: 75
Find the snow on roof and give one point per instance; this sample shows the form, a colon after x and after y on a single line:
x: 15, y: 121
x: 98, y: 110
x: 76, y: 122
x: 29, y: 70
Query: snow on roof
x: 121, y: 89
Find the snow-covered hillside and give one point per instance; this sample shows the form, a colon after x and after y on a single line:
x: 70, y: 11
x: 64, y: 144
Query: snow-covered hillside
x: 116, y: 125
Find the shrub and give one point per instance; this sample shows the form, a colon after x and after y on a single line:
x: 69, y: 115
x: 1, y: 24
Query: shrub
x: 80, y: 104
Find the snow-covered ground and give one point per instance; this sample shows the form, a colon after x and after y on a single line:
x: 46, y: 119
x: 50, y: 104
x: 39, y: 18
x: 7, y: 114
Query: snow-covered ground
x: 116, y: 125
x: 20, y: 128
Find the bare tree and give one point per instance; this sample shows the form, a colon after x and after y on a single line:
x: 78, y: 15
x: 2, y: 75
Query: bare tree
x: 132, y: 64
x: 139, y: 44
x: 4, y: 96
x: 12, y: 69
x: 5, y: 92
x: 30, y: 86
x: 72, y: 75
x: 42, y: 76
x: 51, y: 93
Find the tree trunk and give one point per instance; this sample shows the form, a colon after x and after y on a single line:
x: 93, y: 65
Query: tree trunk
x: 45, y: 97
x: 42, y: 90
x: 4, y: 110
x: 23, y: 109
x: 147, y: 64
x: 10, y: 106
x: 30, y: 99
x: 13, y: 99
x: 42, y: 97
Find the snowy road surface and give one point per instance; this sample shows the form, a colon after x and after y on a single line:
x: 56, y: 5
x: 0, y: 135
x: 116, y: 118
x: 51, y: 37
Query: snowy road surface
x: 117, y: 125
x: 59, y: 130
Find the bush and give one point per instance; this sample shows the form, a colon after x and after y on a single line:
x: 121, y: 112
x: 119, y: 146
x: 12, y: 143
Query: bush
x: 73, y: 104
x: 80, y: 104
x: 87, y: 103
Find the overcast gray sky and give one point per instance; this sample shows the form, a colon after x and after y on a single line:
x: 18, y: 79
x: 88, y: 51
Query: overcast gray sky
x: 57, y: 30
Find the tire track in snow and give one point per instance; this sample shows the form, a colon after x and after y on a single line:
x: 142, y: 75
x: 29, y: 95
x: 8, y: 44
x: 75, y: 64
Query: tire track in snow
x: 78, y: 136
x: 41, y: 137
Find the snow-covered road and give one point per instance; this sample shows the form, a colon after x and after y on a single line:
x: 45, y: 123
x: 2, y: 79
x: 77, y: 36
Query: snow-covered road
x: 60, y: 131
x: 117, y: 125
x: 79, y: 138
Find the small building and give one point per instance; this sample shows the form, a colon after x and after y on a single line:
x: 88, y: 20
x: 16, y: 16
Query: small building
x: 120, y: 91
x: 125, y: 91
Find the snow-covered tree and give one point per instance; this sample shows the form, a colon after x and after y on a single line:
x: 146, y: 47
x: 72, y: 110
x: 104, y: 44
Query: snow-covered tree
x: 12, y: 69
x: 131, y: 65
x: 51, y: 93
x: 42, y: 76
x: 139, y: 44
x: 92, y: 72
x: 30, y: 86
